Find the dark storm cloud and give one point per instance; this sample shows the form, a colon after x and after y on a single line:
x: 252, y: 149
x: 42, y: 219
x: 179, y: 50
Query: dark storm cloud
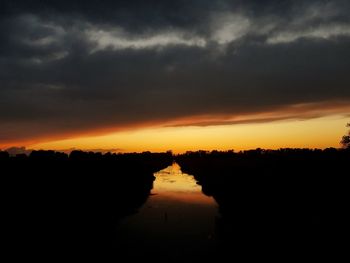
x: 75, y: 66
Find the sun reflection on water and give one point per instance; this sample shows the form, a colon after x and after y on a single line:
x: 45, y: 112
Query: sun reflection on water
x: 172, y: 183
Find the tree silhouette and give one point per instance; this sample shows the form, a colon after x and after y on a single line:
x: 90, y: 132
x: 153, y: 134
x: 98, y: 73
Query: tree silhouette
x: 346, y: 139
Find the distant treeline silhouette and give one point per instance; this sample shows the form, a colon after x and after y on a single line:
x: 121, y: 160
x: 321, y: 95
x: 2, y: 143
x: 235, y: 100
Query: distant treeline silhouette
x: 55, y: 204
x: 287, y: 200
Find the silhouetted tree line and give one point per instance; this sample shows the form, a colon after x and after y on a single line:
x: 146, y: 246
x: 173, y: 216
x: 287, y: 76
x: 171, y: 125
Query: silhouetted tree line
x: 346, y: 139
x: 272, y: 201
x: 54, y: 203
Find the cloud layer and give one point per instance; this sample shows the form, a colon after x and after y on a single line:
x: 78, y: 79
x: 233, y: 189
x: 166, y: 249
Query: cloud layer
x: 70, y: 68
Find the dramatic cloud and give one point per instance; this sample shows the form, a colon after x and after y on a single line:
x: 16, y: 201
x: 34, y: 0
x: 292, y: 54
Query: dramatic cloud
x: 68, y: 67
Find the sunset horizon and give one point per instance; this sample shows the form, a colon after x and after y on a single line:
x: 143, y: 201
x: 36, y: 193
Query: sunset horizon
x: 148, y: 78
x: 321, y: 133
x: 174, y: 130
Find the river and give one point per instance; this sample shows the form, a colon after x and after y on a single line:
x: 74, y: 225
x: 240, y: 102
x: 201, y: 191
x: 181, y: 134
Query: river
x: 177, y: 221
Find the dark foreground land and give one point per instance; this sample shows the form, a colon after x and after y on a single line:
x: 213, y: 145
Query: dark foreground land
x: 57, y: 206
x: 290, y: 202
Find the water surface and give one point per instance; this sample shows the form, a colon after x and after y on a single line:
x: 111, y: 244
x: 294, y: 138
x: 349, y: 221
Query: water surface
x: 177, y: 219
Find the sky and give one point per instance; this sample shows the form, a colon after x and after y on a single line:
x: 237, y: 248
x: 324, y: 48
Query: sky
x: 174, y: 75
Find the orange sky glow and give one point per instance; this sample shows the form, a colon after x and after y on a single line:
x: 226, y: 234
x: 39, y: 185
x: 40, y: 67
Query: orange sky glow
x: 320, y: 132
x: 295, y: 126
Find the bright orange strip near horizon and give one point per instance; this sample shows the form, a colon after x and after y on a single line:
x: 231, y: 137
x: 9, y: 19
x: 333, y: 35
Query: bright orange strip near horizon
x: 312, y: 133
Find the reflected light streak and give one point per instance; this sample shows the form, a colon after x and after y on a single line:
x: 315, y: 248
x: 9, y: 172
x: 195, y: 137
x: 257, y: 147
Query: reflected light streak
x: 171, y: 183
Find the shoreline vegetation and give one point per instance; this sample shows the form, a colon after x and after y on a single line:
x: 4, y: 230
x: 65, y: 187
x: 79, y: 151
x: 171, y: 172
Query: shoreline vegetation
x: 290, y: 200
x: 286, y: 200
x: 57, y: 205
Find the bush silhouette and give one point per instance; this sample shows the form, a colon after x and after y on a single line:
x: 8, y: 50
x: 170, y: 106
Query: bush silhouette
x: 60, y: 204
x: 346, y: 139
x: 275, y: 198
